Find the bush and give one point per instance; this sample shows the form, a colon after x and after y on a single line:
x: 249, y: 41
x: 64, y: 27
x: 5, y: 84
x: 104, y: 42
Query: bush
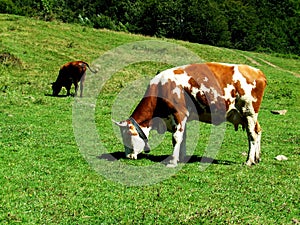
x: 7, y: 6
x: 103, y: 21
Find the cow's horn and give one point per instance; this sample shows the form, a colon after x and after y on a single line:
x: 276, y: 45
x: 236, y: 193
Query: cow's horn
x: 120, y: 124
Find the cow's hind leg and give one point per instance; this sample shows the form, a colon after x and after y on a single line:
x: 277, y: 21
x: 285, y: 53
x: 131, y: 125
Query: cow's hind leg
x: 76, y: 88
x: 82, y: 84
x: 254, y: 138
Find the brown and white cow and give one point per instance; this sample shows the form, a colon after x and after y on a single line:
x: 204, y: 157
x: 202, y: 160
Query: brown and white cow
x: 208, y: 92
x: 71, y: 73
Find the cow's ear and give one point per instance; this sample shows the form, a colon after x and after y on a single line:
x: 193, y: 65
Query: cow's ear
x: 120, y: 124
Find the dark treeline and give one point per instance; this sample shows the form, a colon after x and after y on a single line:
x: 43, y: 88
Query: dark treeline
x: 254, y: 25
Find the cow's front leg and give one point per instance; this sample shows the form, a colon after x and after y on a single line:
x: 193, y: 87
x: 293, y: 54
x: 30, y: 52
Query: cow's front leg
x: 182, y: 152
x: 178, y: 144
x: 68, y: 87
x: 254, y: 137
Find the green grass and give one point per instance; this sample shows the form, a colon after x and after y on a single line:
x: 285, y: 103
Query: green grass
x: 45, y: 179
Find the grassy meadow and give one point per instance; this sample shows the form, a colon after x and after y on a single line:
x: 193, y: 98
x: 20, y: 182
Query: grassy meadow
x: 45, y: 179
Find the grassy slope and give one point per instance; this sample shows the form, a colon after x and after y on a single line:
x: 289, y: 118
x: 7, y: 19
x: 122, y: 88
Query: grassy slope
x: 44, y: 178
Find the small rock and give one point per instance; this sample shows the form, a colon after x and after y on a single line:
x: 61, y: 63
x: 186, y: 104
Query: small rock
x: 281, y: 158
x: 244, y: 153
x: 279, y: 112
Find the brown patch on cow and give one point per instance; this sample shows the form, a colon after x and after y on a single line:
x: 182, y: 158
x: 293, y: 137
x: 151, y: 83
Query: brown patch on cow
x: 132, y: 130
x: 222, y: 74
x: 238, y: 88
x: 175, y: 103
x: 257, y: 128
x: 233, y: 93
x: 227, y: 103
x: 194, y: 83
x: 258, y: 92
x: 178, y: 71
x: 202, y: 99
x: 145, y: 109
x: 208, y: 101
x: 201, y: 72
x: 249, y: 73
x: 257, y: 78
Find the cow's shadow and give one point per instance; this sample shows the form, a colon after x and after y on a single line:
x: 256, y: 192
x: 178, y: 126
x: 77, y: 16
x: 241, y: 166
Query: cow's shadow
x: 165, y: 158
x: 60, y: 96
x: 57, y: 96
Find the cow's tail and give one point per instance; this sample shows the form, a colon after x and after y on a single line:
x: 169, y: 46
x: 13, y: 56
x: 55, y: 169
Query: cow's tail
x: 93, y: 71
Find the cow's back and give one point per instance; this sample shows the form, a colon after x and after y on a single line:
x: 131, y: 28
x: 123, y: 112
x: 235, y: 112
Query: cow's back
x: 71, y: 72
x: 210, y: 88
x: 217, y: 82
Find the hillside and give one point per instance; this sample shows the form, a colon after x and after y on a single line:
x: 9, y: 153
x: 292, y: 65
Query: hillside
x: 250, y: 26
x: 46, y: 180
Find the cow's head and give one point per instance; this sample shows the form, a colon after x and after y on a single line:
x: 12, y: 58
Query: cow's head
x: 132, y: 140
x: 56, y: 87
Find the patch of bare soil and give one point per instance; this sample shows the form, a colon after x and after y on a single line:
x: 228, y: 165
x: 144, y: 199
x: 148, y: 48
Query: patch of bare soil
x: 9, y: 59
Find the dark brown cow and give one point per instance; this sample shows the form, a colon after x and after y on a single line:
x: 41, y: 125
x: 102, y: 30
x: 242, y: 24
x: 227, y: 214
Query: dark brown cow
x: 71, y: 73
x: 208, y: 92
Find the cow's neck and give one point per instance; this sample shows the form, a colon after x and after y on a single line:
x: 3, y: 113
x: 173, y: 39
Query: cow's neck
x: 144, y: 112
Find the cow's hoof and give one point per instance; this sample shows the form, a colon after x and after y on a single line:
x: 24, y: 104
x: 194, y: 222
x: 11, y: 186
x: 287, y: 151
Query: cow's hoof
x: 132, y: 156
x: 171, y: 165
x: 249, y: 163
x: 257, y: 159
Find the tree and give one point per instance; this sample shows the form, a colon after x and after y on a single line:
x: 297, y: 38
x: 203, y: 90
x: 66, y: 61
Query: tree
x: 206, y: 23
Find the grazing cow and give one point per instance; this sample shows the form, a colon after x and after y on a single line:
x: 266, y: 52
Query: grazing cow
x: 71, y: 72
x: 208, y: 92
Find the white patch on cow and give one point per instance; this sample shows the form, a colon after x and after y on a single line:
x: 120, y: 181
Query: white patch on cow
x: 168, y: 75
x: 182, y: 79
x: 177, y: 91
x: 146, y: 130
x: 237, y: 76
x: 205, y: 91
x: 227, y: 64
x: 194, y: 92
x: 227, y: 93
x: 205, y: 79
x: 215, y: 93
x: 156, y: 79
